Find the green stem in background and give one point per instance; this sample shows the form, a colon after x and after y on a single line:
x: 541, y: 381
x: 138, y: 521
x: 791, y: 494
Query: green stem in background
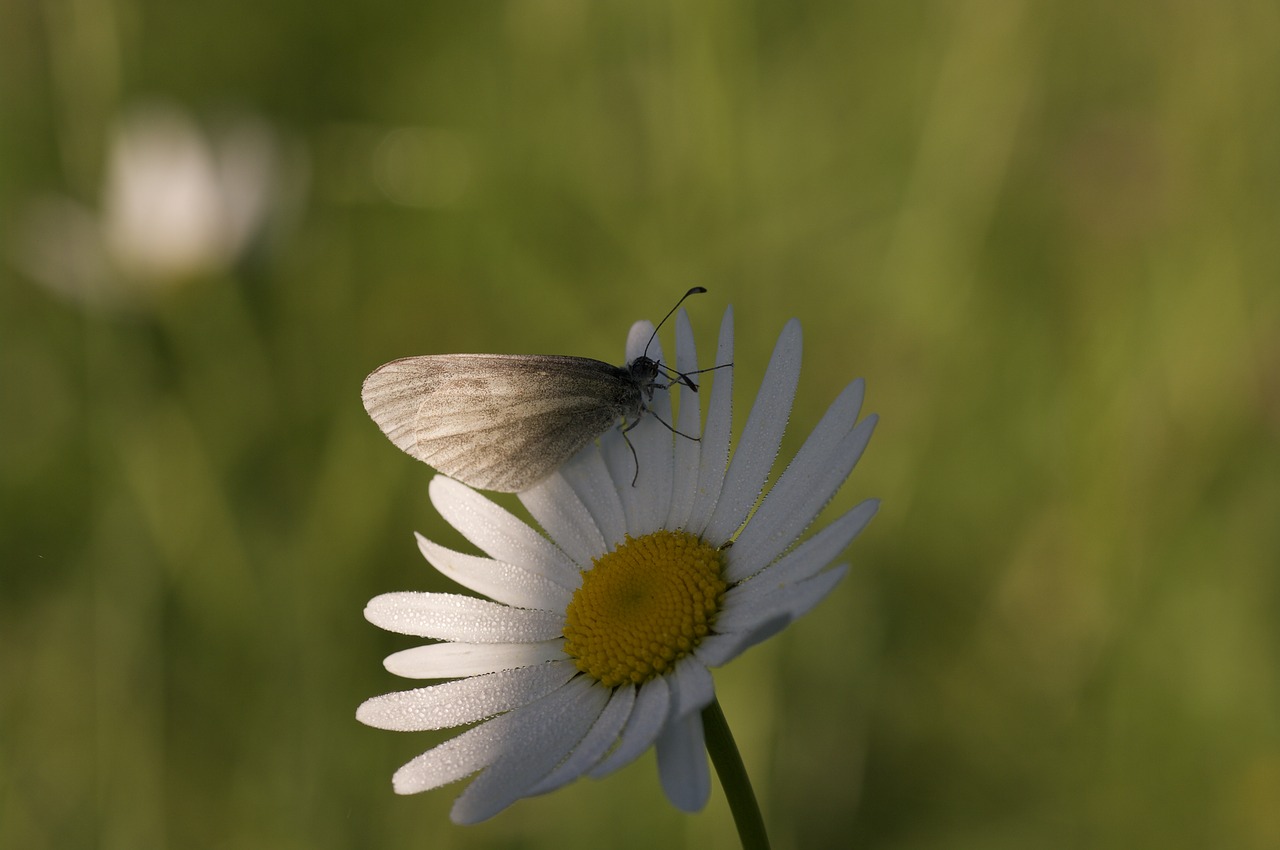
x: 734, y: 779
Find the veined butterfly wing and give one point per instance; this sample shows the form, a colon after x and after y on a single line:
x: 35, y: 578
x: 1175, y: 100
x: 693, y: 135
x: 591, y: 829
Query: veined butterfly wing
x: 500, y: 421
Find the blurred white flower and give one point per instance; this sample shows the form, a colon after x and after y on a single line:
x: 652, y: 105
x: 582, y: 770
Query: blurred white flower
x: 177, y: 203
x: 165, y: 216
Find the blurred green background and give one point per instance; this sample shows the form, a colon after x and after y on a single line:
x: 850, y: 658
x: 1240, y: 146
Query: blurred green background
x: 1048, y: 234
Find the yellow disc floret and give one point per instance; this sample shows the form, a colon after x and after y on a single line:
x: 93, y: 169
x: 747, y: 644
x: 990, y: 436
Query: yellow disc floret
x: 643, y: 607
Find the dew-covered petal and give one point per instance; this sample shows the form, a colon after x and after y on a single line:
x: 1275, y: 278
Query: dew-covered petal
x: 806, y: 560
x: 543, y: 734
x: 814, y: 590
x: 652, y: 439
x: 713, y: 457
x: 682, y: 763
x: 451, y: 660
x: 638, y: 336
x: 456, y: 758
x: 448, y: 616
x: 466, y: 753
x: 810, y: 480
x: 718, y: 649
x: 589, y: 477
x: 796, y: 600
x: 558, y: 509
x: 647, y: 718
x: 464, y: 701
x: 761, y: 437
x: 501, y: 582
x: 684, y: 481
x: 622, y: 466
x: 693, y: 687
x: 643, y: 479
x: 603, y: 736
x: 498, y: 533
x: 652, y: 490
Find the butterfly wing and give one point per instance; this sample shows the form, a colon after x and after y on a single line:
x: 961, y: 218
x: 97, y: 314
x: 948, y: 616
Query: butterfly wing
x: 495, y: 421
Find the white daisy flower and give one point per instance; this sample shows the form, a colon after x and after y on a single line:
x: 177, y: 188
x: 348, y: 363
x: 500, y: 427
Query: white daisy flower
x: 599, y: 632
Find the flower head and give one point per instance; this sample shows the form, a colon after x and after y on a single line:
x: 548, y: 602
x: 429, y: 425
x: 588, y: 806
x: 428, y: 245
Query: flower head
x: 598, y: 636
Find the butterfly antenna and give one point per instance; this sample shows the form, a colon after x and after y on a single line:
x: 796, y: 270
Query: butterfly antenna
x: 697, y: 290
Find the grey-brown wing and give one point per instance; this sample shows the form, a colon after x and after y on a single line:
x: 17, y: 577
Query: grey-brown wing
x: 495, y: 421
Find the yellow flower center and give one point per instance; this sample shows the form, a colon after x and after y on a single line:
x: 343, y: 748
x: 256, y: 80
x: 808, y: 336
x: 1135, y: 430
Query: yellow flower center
x: 643, y: 607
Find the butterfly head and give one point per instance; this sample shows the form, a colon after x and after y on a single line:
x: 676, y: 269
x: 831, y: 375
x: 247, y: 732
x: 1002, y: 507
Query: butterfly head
x: 644, y: 371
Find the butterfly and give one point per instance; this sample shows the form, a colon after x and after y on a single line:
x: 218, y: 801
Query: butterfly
x: 504, y: 422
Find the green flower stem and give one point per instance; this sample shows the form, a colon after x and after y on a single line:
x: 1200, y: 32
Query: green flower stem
x: 734, y: 779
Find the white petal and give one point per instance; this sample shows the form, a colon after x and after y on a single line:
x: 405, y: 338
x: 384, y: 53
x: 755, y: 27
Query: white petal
x: 589, y: 477
x: 464, y: 701
x: 653, y: 443
x: 714, y: 450
x: 603, y: 735
x: 501, y: 582
x: 447, y: 616
x: 474, y: 749
x: 809, y: 482
x: 499, y: 534
x: 684, y: 482
x: 807, y: 559
x: 815, y: 590
x: 457, y: 757
x: 542, y: 736
x: 719, y: 649
x: 643, y: 479
x: 796, y: 600
x: 682, y: 763
x: 638, y: 336
x: 652, y: 489
x: 623, y: 466
x: 646, y: 721
x: 451, y: 660
x: 694, y: 688
x: 761, y: 437
x: 561, y: 513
